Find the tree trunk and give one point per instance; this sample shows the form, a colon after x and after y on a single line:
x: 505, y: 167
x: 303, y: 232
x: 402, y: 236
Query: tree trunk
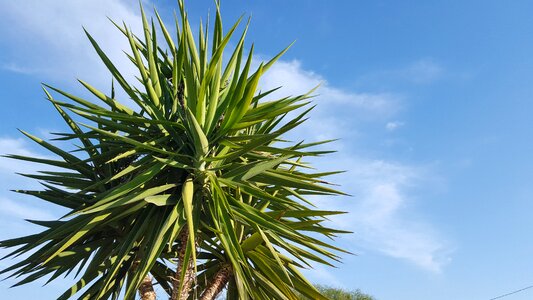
x: 146, y: 289
x: 189, y: 273
x: 217, y: 283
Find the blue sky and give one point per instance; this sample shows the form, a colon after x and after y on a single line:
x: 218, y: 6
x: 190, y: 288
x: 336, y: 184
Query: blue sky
x: 432, y: 101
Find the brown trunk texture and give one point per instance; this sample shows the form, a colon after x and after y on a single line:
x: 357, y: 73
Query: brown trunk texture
x: 217, y: 283
x: 146, y: 289
x: 189, y: 273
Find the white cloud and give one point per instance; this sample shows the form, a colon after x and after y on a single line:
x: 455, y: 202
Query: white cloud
x: 295, y: 80
x: 338, y: 111
x: 382, y: 216
x: 16, y: 209
x: 15, y: 68
x: 380, y: 212
x: 50, y: 40
x: 8, y: 166
x: 422, y: 71
x: 16, y: 146
x: 391, y: 126
x: 323, y: 275
x: 419, y: 72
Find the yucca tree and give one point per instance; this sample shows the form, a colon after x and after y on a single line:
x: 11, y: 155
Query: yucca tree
x: 193, y: 189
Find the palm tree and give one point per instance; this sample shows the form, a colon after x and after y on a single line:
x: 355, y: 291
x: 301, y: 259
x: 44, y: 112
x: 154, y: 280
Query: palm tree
x: 193, y: 189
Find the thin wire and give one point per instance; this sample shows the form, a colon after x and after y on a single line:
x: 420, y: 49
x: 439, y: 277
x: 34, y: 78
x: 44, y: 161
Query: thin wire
x: 511, y: 293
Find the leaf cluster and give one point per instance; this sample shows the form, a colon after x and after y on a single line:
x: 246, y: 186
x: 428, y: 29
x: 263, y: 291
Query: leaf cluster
x: 203, y: 152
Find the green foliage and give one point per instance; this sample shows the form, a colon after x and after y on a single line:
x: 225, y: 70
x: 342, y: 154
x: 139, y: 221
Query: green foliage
x: 341, y: 294
x: 202, y: 153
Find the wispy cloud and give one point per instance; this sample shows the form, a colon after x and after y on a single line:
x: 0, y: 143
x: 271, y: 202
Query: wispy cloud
x: 15, y: 206
x: 15, y: 68
x: 338, y: 111
x: 392, y: 126
x: 380, y: 213
x: 383, y: 216
x: 50, y: 40
x: 24, y: 147
x: 17, y: 146
x: 296, y: 80
x: 17, y: 209
x: 323, y: 275
x: 423, y: 71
